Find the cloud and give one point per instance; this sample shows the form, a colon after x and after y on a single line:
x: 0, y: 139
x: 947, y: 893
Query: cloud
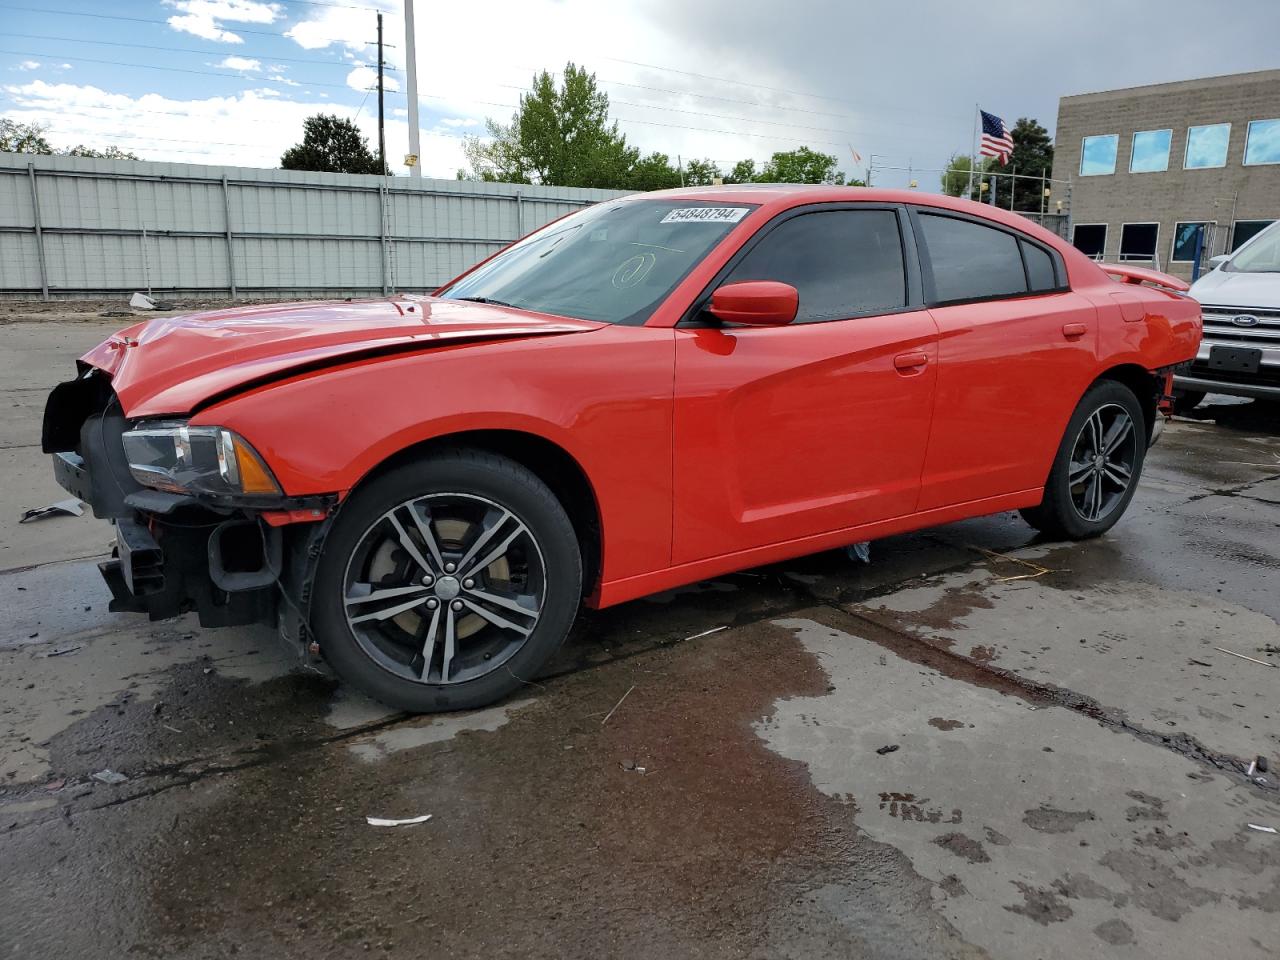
x: 365, y: 78
x: 203, y: 18
x: 280, y: 78
x: 28, y: 65
x: 239, y: 63
x: 250, y: 129
x: 460, y: 121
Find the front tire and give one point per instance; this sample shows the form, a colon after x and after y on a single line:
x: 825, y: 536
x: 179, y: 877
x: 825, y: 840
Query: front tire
x: 447, y: 582
x: 1097, y: 467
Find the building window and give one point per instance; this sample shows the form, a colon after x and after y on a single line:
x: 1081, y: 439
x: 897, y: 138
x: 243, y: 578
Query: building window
x: 1245, y: 230
x: 1090, y: 239
x: 1207, y: 146
x: 1098, y: 155
x: 1262, y: 144
x: 1150, y: 151
x: 1184, y: 241
x: 1138, y: 241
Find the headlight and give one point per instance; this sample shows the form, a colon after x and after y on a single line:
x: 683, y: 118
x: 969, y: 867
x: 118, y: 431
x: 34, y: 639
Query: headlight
x: 211, y: 460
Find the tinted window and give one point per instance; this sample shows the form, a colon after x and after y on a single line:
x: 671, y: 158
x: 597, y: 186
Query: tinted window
x: 843, y: 262
x: 1185, y: 237
x: 1039, y: 267
x: 971, y: 261
x: 1138, y: 241
x: 1090, y: 239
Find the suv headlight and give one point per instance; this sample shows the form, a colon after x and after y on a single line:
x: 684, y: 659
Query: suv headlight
x: 210, y: 460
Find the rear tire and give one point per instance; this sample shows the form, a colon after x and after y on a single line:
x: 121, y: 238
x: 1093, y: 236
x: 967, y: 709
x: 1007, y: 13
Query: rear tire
x: 1097, y: 467
x: 1184, y: 401
x: 447, y: 582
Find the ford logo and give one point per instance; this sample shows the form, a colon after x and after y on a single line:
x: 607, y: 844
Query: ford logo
x: 1245, y: 320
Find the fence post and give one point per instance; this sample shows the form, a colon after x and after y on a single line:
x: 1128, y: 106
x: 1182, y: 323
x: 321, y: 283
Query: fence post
x: 519, y: 215
x: 382, y: 220
x: 35, y: 215
x: 226, y: 215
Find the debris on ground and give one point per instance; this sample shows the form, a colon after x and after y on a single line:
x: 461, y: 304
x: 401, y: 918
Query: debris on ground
x: 1038, y: 570
x: 63, y: 651
x: 109, y: 776
x: 1263, y: 663
x: 140, y: 301
x: 616, y: 706
x: 380, y: 822
x: 1254, y: 826
x: 887, y: 748
x: 63, y: 508
x: 859, y: 551
x: 705, y: 633
x: 631, y: 767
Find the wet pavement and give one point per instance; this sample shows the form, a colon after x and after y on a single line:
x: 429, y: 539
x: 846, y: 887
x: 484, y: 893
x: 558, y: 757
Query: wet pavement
x: 981, y: 745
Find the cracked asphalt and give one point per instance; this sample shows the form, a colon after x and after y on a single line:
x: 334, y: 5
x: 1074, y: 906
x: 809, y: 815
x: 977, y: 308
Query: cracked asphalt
x: 980, y: 745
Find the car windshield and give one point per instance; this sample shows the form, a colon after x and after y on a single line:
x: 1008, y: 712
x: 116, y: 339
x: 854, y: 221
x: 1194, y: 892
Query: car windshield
x: 613, y: 262
x: 1260, y: 255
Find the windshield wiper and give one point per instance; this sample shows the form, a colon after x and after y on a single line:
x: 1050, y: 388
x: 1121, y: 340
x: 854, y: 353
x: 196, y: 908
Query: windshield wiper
x: 488, y: 300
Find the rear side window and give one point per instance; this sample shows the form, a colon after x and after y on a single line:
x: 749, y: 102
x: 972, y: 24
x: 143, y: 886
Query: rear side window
x: 845, y: 263
x: 1039, y: 268
x: 970, y: 261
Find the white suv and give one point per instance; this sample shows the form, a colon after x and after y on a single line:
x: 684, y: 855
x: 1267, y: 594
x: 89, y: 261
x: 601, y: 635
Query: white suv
x: 1240, y: 353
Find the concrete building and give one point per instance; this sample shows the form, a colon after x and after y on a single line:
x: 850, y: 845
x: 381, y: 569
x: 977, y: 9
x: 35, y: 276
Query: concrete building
x: 1153, y: 167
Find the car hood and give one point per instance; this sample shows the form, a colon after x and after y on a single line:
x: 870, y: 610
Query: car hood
x: 171, y: 365
x: 1225, y: 289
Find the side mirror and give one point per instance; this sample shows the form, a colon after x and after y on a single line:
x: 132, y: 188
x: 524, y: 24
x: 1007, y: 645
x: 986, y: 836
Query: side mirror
x: 1219, y: 260
x: 760, y: 303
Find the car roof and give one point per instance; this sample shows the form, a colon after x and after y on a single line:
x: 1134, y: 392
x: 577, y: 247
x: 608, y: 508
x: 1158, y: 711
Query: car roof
x: 780, y: 196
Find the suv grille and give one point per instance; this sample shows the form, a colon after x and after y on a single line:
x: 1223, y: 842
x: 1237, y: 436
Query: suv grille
x: 1221, y: 325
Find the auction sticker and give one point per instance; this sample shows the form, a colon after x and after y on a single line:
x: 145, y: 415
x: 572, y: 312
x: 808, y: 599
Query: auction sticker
x: 705, y: 215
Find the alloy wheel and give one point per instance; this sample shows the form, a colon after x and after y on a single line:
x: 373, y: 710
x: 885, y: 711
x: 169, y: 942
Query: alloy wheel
x: 1102, y: 462
x: 444, y: 588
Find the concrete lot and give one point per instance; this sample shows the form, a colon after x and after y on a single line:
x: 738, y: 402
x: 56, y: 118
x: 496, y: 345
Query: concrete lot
x: 1066, y: 779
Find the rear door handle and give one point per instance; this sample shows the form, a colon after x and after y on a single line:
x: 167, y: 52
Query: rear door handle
x: 1074, y: 331
x: 910, y: 362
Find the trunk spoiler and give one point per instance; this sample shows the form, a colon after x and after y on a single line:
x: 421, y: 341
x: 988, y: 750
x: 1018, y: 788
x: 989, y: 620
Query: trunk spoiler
x: 1141, y: 275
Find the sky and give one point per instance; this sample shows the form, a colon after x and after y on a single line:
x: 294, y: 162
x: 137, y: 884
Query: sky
x: 231, y: 81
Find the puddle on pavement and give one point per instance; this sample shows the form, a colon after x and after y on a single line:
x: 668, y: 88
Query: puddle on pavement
x: 1085, y: 837
x: 543, y: 831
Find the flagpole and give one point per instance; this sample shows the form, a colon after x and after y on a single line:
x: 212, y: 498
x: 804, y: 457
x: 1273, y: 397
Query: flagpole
x: 973, y: 157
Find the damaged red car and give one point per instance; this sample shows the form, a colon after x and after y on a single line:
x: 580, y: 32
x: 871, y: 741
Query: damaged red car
x: 423, y: 490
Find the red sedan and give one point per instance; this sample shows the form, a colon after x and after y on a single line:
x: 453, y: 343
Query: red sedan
x: 652, y: 391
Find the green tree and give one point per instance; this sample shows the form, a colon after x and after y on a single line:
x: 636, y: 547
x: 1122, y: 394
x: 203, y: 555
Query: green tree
x: 701, y: 173
x: 23, y: 138
x: 955, y: 178
x: 330, y: 144
x: 744, y: 171
x: 653, y: 172
x: 801, y: 166
x: 110, y: 153
x: 558, y: 135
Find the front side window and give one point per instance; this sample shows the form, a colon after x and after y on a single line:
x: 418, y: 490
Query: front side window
x: 614, y: 262
x: 1138, y: 241
x: 844, y: 263
x: 1150, y: 151
x: 1207, y: 146
x: 1260, y: 256
x: 970, y: 261
x: 1098, y: 155
x: 1246, y: 230
x: 1262, y: 144
x: 1185, y: 237
x: 1090, y: 239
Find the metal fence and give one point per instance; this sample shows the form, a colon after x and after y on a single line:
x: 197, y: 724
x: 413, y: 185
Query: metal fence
x: 74, y: 226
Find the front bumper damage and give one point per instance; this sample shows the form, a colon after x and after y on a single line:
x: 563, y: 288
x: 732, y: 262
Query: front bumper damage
x: 176, y: 553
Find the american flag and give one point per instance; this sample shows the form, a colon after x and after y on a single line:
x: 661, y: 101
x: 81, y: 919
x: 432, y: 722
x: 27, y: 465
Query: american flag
x: 997, y: 141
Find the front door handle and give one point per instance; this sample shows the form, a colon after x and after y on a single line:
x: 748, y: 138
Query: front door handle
x: 1074, y: 331
x: 910, y: 362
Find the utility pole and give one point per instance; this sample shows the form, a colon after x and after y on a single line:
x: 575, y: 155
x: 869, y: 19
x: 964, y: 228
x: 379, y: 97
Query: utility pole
x: 382, y: 138
x: 411, y: 69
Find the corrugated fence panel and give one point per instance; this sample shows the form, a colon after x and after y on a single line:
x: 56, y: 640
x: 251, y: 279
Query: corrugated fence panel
x: 114, y: 225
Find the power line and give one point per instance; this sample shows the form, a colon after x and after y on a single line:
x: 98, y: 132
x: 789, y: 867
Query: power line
x: 165, y: 23
x: 241, y: 75
x: 212, y: 53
